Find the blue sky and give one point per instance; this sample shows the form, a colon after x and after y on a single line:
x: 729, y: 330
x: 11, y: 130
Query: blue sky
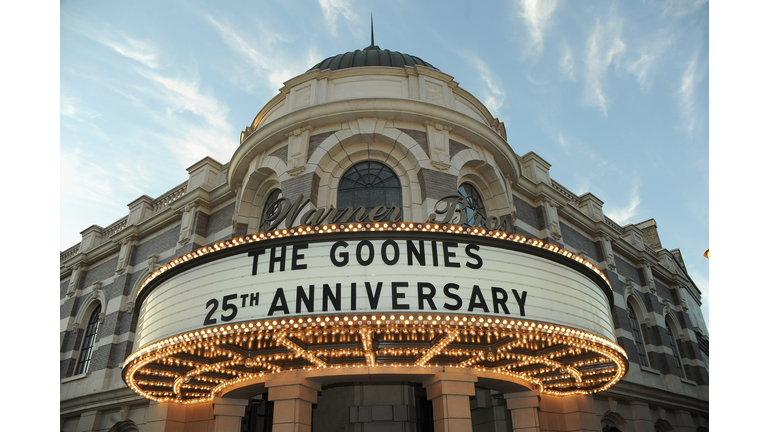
x: 615, y: 95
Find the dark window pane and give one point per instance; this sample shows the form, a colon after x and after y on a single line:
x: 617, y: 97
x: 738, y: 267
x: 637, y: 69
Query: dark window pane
x: 369, y: 184
x: 88, y: 342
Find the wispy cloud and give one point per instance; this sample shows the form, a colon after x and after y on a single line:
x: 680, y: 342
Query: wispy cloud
x: 267, y: 61
x: 209, y: 134
x: 566, y: 63
x: 536, y: 15
x: 70, y: 107
x: 686, y: 93
x: 143, y: 52
x: 604, y: 45
x: 333, y: 8
x: 623, y: 215
x: 493, y: 93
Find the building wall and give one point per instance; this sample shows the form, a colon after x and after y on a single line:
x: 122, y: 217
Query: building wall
x: 221, y: 202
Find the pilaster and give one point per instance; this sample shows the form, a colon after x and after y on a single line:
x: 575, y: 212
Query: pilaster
x: 204, y: 174
x: 228, y: 414
x: 139, y: 209
x: 293, y: 398
x: 298, y: 145
x: 524, y: 408
x: 449, y: 393
x: 165, y: 417
x: 437, y: 139
x: 641, y: 417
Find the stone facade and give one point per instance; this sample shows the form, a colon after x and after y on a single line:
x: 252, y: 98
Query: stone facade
x: 433, y: 144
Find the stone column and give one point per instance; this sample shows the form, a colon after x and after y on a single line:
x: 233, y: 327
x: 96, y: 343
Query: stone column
x: 524, y: 408
x: 88, y: 421
x: 449, y: 393
x: 579, y: 413
x: 641, y: 417
x: 165, y: 417
x: 228, y: 414
x: 293, y: 398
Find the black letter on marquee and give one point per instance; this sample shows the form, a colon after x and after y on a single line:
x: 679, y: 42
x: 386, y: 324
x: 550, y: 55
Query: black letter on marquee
x: 297, y: 256
x: 384, y: 256
x: 359, y: 255
x: 520, y: 301
x: 447, y: 293
x: 396, y: 295
x: 427, y: 297
x: 344, y: 255
x: 283, y: 306
x: 434, y: 254
x: 353, y: 296
x: 478, y: 261
x: 255, y: 254
x: 477, y: 294
x: 373, y: 299
x: 301, y: 297
x: 244, y: 297
x: 335, y: 299
x: 499, y: 292
x: 280, y: 259
x: 447, y: 255
x: 254, y: 299
x: 411, y: 248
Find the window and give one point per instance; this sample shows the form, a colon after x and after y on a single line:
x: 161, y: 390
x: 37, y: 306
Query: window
x: 673, y: 345
x: 637, y: 335
x: 88, y: 342
x: 473, y: 203
x: 369, y: 184
x: 267, y: 211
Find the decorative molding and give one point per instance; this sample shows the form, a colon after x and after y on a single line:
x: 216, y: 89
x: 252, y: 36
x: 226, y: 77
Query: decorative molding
x: 293, y: 172
x: 439, y: 165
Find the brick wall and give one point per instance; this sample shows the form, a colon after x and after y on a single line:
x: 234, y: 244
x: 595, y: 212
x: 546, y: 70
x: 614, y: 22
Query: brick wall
x: 418, y: 136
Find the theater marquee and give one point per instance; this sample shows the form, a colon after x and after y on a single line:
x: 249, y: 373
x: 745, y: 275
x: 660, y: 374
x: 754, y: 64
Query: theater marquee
x: 374, y: 294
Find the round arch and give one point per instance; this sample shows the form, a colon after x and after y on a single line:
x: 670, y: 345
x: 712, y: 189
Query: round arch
x: 352, y: 150
x: 261, y: 181
x: 612, y: 421
x: 89, y: 303
x: 124, y: 426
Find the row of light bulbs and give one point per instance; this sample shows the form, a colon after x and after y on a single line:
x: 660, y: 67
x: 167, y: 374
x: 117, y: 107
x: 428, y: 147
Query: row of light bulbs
x: 520, y: 332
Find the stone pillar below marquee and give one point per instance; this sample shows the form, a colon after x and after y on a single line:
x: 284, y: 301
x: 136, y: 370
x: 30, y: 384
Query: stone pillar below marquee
x: 228, y: 414
x: 293, y: 398
x: 449, y: 393
x: 524, y: 408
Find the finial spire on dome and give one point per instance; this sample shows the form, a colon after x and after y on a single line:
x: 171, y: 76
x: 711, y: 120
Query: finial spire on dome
x: 373, y: 45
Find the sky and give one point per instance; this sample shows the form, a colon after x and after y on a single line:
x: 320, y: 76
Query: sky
x: 614, y: 95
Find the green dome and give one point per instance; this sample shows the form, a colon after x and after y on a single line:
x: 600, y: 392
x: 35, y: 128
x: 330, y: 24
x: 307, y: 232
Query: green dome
x: 371, y: 56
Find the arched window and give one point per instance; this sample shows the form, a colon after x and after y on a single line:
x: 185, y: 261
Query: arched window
x: 637, y: 335
x: 369, y: 184
x: 473, y: 203
x: 88, y: 341
x: 675, y: 355
x: 267, y: 211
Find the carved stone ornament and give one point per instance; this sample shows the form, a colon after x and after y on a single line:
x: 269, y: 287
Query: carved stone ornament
x: 296, y: 171
x: 96, y: 287
x: 129, y: 307
x: 101, y: 317
x: 630, y: 286
x: 662, y: 414
x: 152, y: 262
x: 667, y: 307
x: 438, y: 165
x: 612, y: 404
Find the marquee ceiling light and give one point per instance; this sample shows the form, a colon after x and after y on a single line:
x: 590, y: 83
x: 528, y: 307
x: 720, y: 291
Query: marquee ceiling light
x: 370, y: 227
x: 196, y: 366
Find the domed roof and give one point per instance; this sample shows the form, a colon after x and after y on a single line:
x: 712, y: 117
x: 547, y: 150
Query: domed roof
x: 370, y: 56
